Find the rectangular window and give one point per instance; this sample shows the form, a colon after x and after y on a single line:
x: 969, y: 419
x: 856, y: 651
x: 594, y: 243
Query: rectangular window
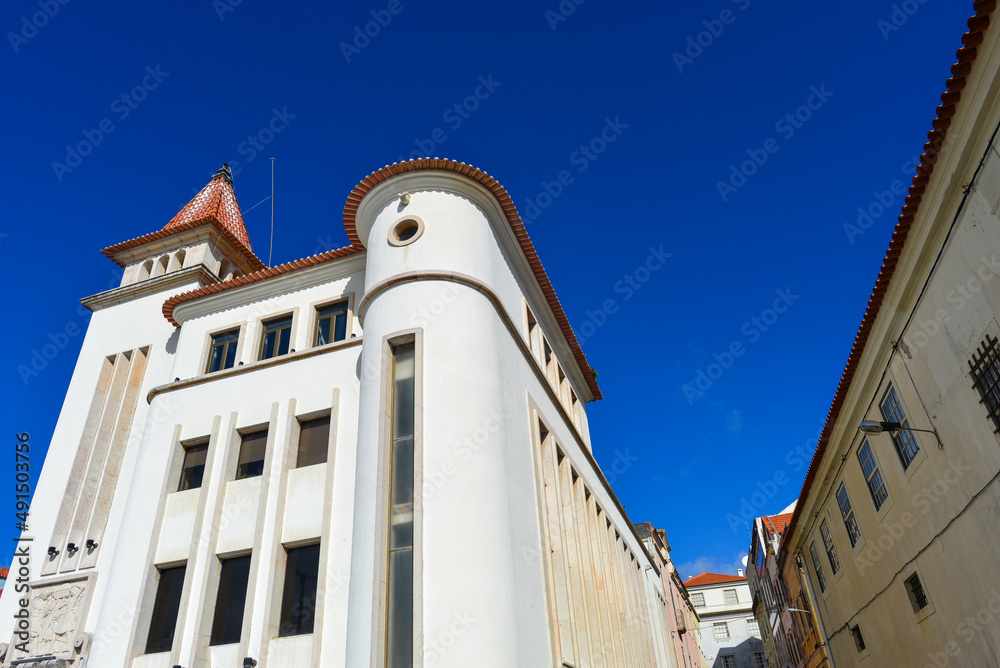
x: 817, y: 566
x: 831, y: 549
x: 223, y: 353
x: 721, y: 630
x: 904, y: 440
x: 298, y: 598
x: 277, y: 336
x: 399, y: 615
x: 698, y: 600
x: 193, y: 468
x: 331, y: 323
x: 915, y: 591
x: 252, y: 449
x: 314, y: 439
x: 859, y: 640
x: 985, y: 369
x: 874, y: 477
x: 753, y: 628
x: 729, y: 597
x: 758, y: 660
x: 230, y: 601
x: 847, y: 512
x: 165, y: 609
x: 728, y: 660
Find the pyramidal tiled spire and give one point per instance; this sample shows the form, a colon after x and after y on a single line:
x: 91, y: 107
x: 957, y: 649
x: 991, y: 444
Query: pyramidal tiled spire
x: 216, y: 203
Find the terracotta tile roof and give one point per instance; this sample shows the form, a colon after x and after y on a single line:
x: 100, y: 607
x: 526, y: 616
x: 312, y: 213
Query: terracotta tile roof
x: 949, y: 101
x: 4, y: 572
x: 775, y: 524
x: 216, y: 205
x: 507, y: 205
x: 712, y: 579
x: 336, y: 254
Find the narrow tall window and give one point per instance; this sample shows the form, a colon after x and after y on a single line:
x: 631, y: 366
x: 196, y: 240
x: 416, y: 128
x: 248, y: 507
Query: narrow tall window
x: 252, y: 449
x: 223, y: 354
x: 298, y: 598
x: 399, y: 616
x: 831, y: 549
x: 331, y: 323
x: 847, y: 512
x: 904, y: 440
x: 915, y: 592
x: 985, y: 369
x: 277, y: 335
x: 165, y: 609
x: 872, y: 475
x: 230, y: 601
x: 859, y: 640
x: 817, y: 566
x: 193, y: 468
x: 314, y: 436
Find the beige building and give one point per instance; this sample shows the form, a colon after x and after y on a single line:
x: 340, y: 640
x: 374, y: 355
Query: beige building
x: 897, y: 523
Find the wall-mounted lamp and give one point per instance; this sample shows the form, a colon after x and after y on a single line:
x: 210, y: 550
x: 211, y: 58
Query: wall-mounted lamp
x: 71, y: 547
x: 877, y: 427
x: 249, y: 663
x: 91, y: 544
x: 53, y: 551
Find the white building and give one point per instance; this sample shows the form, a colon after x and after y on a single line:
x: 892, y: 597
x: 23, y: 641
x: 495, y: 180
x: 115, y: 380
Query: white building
x: 376, y: 456
x: 730, y: 636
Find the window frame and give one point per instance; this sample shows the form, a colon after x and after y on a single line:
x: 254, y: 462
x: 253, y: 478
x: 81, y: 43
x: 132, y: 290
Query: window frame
x: 849, y: 516
x: 288, y: 605
x: 212, y: 336
x: 165, y: 606
x: 905, y: 441
x: 318, y: 318
x: 304, y: 421
x: 985, y: 364
x: 188, y: 447
x: 243, y: 434
x: 266, y: 328
x: 874, y: 478
x: 831, y: 549
x: 701, y: 597
x: 716, y: 626
x: 725, y: 597
x: 750, y: 631
x: 219, y: 623
x: 818, y: 568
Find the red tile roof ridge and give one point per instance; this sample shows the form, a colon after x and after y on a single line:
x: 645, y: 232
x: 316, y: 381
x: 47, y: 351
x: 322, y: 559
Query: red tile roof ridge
x: 266, y: 272
x: 713, y: 578
x: 510, y: 212
x: 965, y: 55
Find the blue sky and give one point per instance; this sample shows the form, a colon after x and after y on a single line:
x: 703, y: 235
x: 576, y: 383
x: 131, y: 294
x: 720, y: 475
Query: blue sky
x: 737, y: 136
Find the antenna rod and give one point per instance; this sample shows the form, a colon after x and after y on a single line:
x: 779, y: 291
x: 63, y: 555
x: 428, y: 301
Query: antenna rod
x: 270, y: 248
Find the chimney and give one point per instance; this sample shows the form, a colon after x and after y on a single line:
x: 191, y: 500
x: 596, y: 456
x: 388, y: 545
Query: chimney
x: 739, y: 571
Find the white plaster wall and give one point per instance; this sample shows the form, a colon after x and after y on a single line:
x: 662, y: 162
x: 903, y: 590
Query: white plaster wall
x: 177, y: 528
x: 304, y: 501
x: 239, y: 512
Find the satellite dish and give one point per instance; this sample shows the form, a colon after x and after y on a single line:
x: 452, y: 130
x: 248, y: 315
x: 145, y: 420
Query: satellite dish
x: 745, y: 560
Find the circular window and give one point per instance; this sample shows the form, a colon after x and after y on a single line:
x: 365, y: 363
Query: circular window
x: 406, y: 231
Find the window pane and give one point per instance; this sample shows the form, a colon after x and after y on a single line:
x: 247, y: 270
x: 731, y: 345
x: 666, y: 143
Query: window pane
x: 252, y: 451
x: 193, y: 468
x: 402, y: 408
x: 340, y: 329
x: 285, y: 336
x: 228, y: 623
x: 399, y: 644
x: 401, y: 513
x: 165, y: 608
x: 267, y: 352
x: 223, y: 354
x: 298, y: 601
x: 323, y: 335
x: 314, y: 438
x: 230, y: 355
x: 216, y: 362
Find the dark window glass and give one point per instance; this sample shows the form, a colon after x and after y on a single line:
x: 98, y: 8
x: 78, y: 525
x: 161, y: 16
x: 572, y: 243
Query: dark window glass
x: 331, y: 323
x: 298, y: 600
x: 228, y: 623
x: 223, y: 354
x: 399, y: 616
x: 277, y: 335
x: 193, y: 469
x: 859, y: 640
x: 165, y: 608
x: 314, y: 437
x: 915, y: 590
x: 252, y: 449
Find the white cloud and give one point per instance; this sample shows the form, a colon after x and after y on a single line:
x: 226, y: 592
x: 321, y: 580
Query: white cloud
x: 726, y: 566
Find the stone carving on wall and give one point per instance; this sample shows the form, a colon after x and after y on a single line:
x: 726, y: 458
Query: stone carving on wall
x: 57, y: 612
